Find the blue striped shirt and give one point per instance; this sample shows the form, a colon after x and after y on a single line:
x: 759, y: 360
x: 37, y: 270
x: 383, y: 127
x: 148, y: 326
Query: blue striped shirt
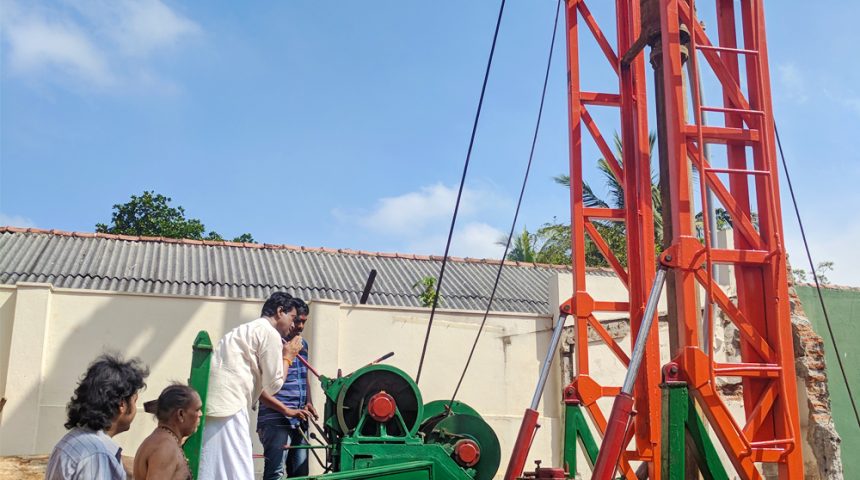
x: 293, y: 394
x: 84, y: 454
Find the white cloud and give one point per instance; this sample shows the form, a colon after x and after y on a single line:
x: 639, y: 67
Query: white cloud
x: 38, y: 44
x: 418, y: 222
x: 138, y: 27
x: 102, y: 43
x: 15, y: 221
x: 478, y: 240
x: 414, y: 211
x: 474, y: 240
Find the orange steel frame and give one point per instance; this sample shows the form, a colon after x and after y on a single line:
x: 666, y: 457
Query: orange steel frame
x: 771, y: 432
x: 634, y: 175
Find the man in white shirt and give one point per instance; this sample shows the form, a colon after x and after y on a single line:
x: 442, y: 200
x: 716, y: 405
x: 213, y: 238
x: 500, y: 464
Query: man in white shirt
x: 248, y: 360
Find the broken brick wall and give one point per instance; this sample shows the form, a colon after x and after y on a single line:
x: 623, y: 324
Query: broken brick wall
x: 811, y: 368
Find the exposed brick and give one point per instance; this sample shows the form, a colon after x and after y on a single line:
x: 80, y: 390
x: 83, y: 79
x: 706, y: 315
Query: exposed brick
x: 812, y: 369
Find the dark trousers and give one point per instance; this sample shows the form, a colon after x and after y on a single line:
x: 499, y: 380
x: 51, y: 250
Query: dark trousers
x: 278, y: 460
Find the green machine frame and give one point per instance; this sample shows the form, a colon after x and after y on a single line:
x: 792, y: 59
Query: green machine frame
x: 576, y: 430
x: 419, y: 442
x: 683, y: 431
x: 198, y: 380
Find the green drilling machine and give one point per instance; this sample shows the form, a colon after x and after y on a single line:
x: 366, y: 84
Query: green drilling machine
x: 377, y: 426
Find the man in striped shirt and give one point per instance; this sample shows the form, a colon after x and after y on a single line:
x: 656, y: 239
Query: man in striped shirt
x: 283, y: 417
x: 102, y: 406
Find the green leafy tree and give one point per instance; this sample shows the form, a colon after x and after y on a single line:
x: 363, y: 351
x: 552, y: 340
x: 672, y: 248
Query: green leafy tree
x: 799, y: 275
x: 554, y: 239
x: 428, y: 291
x: 151, y: 215
x: 821, y: 270
x: 245, y: 238
x: 216, y: 237
x: 549, y: 244
x: 724, y: 222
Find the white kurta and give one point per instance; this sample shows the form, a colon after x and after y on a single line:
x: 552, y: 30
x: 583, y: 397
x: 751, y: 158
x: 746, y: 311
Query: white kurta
x: 227, y: 453
x: 246, y: 362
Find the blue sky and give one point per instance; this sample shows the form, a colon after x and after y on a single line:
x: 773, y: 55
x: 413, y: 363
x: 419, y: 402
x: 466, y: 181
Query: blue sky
x: 345, y: 124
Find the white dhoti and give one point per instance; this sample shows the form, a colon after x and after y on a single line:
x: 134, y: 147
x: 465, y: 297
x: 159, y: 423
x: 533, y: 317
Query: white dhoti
x: 226, y: 453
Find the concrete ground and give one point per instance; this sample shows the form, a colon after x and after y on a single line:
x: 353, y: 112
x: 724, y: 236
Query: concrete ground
x: 32, y: 467
x: 23, y: 468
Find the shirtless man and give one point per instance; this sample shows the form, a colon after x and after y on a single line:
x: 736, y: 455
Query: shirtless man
x: 178, y: 410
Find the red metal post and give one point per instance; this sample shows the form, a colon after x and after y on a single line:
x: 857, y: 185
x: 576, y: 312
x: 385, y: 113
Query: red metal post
x: 772, y: 430
x: 522, y: 445
x: 634, y: 174
x: 614, y: 439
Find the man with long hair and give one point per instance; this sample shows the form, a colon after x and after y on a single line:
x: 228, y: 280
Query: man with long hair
x: 102, y: 406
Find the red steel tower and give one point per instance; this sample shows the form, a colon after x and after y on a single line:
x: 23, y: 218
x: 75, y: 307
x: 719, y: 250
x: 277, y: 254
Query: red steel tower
x: 730, y: 62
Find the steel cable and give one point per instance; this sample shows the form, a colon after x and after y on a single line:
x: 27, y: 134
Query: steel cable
x: 519, y: 203
x: 815, y: 277
x: 460, y: 191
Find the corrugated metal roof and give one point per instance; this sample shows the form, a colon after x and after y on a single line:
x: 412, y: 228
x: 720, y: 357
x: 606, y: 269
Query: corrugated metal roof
x: 186, y: 267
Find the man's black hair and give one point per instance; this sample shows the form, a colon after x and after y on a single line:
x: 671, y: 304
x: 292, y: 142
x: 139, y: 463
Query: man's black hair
x: 176, y: 396
x: 277, y: 299
x: 301, y: 307
x: 108, y: 382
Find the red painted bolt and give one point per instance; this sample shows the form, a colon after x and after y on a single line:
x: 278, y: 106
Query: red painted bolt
x: 382, y: 407
x: 467, y: 453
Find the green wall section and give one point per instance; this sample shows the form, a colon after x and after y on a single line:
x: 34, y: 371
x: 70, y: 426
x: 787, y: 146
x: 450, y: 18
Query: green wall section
x: 843, y: 308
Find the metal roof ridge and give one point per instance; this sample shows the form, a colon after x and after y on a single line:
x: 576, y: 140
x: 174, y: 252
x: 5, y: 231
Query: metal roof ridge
x: 266, y: 286
x: 269, y: 246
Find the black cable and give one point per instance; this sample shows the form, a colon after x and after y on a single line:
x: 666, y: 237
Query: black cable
x: 815, y: 277
x: 519, y: 202
x: 308, y: 440
x: 460, y: 191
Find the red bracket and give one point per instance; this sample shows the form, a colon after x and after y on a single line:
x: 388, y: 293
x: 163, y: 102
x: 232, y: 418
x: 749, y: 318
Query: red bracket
x: 684, y: 255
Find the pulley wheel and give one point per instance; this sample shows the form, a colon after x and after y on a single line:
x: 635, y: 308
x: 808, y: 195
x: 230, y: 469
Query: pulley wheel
x: 438, y: 407
x: 437, y: 410
x: 364, y: 386
x: 458, y: 427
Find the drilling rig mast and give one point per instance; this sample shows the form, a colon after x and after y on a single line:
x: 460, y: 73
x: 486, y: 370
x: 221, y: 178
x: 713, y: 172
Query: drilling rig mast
x: 743, y: 182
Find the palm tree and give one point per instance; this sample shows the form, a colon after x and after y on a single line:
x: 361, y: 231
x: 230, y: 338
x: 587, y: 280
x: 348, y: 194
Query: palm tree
x: 550, y: 244
x: 615, y: 233
x: 523, y: 246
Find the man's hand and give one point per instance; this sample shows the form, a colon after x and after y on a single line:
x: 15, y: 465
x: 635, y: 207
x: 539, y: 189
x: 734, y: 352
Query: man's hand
x: 296, y: 413
x: 313, y: 411
x: 292, y: 348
